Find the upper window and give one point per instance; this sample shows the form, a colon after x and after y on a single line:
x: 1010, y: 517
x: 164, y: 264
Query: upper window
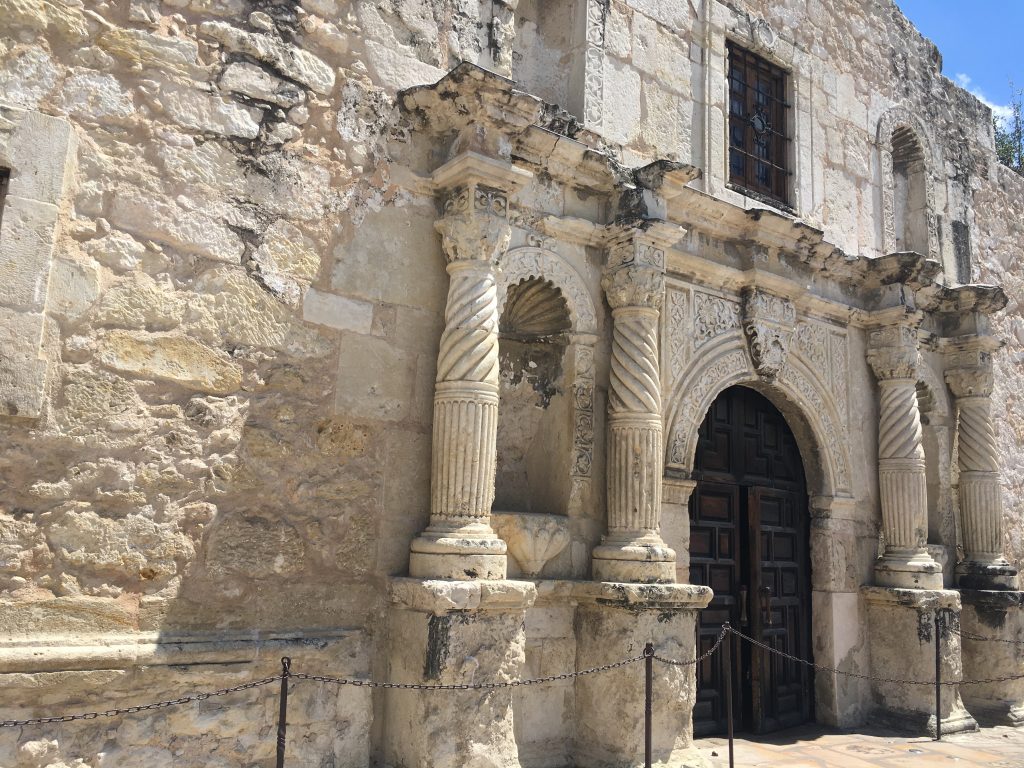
x: 758, y: 126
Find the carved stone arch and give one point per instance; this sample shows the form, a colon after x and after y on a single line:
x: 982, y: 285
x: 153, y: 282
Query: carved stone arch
x: 806, y: 404
x: 527, y: 262
x: 895, y: 123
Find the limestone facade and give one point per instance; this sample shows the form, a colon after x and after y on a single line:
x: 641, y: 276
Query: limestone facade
x: 380, y: 334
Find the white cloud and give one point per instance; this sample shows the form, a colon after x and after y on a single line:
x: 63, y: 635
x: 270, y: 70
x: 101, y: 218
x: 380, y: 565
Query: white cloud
x: 1001, y: 112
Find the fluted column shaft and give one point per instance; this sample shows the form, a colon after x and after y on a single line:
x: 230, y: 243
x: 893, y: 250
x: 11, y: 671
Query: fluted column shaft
x: 902, y: 482
x: 632, y: 550
x: 459, y: 542
x: 981, y: 499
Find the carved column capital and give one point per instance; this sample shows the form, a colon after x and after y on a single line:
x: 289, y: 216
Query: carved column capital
x: 970, y: 382
x: 634, y: 286
x: 474, y: 226
x: 892, y: 352
x: 768, y: 322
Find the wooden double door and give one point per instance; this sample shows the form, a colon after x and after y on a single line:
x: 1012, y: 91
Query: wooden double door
x: 749, y: 542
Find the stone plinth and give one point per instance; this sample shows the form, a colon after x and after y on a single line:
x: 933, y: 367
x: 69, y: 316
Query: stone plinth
x: 454, y: 632
x: 901, y: 637
x: 1000, y: 616
x: 615, y: 621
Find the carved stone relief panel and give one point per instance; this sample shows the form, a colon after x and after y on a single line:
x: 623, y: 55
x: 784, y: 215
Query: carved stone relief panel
x: 713, y: 316
x: 768, y: 323
x: 676, y: 350
x: 593, y: 78
x: 824, y: 350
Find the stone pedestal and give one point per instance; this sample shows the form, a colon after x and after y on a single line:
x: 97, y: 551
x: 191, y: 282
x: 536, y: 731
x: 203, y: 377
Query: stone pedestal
x: 998, y: 615
x: 454, y: 632
x: 615, y: 621
x: 901, y: 637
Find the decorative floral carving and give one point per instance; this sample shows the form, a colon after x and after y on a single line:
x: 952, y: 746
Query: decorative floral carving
x: 762, y: 36
x: 840, y: 372
x: 812, y: 344
x: 768, y: 324
x: 713, y: 317
x: 675, y: 320
x: 593, y: 74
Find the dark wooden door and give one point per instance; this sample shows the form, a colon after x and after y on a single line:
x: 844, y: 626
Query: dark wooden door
x: 749, y: 543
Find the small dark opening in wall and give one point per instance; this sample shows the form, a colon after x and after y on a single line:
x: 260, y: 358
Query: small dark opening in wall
x: 5, y: 179
x: 962, y: 251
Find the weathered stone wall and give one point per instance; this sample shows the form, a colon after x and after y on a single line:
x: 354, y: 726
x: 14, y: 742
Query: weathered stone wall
x: 218, y: 355
x: 999, y: 201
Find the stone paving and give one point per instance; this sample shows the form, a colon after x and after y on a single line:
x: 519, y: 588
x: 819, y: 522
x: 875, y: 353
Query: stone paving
x: 1001, y: 747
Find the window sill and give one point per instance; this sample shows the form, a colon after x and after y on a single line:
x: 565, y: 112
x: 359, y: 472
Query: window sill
x: 764, y: 199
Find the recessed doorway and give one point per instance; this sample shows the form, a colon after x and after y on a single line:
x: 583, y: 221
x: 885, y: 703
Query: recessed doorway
x: 749, y: 542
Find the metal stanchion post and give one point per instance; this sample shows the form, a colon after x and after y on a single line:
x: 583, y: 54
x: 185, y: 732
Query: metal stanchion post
x: 728, y: 688
x: 648, y: 700
x: 938, y: 679
x: 282, y: 717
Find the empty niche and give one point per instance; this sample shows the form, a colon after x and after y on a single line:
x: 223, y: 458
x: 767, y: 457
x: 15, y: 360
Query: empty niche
x: 534, y: 411
x: 910, y: 192
x: 549, y: 51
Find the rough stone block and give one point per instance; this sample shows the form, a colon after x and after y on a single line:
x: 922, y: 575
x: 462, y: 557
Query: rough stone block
x: 337, y: 312
x: 998, y: 617
x: 170, y: 357
x: 374, y: 379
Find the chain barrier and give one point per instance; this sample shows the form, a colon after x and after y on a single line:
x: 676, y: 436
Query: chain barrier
x: 957, y: 630
x: 896, y: 681
x: 490, y: 686
x: 139, y: 707
x: 699, y: 659
x: 466, y: 686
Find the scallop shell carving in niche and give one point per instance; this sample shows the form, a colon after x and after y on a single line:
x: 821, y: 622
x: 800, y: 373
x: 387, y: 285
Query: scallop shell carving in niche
x: 532, y: 538
x: 535, y: 307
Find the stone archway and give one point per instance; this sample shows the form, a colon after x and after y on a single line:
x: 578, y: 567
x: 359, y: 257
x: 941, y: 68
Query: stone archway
x: 814, y: 410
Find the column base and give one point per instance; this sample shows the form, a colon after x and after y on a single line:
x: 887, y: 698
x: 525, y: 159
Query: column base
x: 450, y: 632
x: 633, y: 562
x: 998, y: 615
x: 475, y: 553
x: 614, y: 621
x: 901, y: 639
x: 917, y: 571
x: 995, y: 575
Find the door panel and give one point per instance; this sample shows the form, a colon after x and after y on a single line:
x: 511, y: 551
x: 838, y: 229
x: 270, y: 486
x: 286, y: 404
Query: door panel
x: 748, y: 533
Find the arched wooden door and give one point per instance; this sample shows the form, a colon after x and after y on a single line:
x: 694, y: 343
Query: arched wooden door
x: 749, y: 542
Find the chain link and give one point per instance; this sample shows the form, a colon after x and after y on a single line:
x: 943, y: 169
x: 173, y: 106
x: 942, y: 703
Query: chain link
x: 896, y: 681
x: 139, y: 707
x: 699, y: 659
x: 971, y: 636
x: 467, y: 686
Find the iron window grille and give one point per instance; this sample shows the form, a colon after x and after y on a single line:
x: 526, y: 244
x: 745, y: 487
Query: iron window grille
x: 758, y: 126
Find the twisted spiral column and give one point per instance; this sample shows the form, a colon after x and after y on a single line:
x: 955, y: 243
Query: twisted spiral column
x: 981, y: 500
x: 902, y: 481
x: 632, y: 550
x: 459, y: 543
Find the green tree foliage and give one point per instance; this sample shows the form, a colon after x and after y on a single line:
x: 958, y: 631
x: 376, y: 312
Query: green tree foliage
x: 1010, y: 134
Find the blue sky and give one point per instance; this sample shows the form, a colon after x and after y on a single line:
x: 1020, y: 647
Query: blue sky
x: 980, y: 41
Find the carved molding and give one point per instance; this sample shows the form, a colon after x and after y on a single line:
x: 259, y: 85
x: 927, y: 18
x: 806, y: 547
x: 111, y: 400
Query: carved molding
x: 527, y: 262
x: 593, y: 74
x: 676, y: 324
x: 694, y: 394
x: 713, y: 317
x: 768, y: 322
